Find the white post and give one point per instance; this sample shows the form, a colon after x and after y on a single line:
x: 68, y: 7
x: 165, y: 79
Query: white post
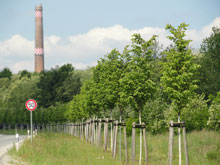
x: 28, y: 132
x: 17, y: 141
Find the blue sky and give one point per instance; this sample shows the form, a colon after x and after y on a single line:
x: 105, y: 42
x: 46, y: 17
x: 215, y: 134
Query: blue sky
x: 70, y: 24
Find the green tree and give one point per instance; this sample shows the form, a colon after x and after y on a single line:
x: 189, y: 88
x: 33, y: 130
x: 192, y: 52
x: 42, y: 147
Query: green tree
x: 58, y: 85
x: 107, y: 74
x: 76, y: 110
x: 6, y: 73
x: 25, y: 73
x: 137, y: 84
x: 22, y: 91
x: 178, y: 73
x: 69, y: 88
x: 210, y: 64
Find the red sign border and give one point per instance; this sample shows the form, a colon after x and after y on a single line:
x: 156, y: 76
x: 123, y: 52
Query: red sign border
x: 28, y: 102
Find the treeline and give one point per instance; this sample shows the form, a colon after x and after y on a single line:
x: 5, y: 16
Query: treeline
x: 51, y: 89
x: 142, y: 83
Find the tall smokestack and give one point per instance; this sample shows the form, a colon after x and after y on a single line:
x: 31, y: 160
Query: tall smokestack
x: 39, y: 40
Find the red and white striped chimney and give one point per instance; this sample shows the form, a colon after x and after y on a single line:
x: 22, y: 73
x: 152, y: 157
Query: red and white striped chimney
x: 39, y: 40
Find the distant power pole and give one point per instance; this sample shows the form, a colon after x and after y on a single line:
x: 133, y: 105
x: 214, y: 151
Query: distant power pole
x: 39, y: 40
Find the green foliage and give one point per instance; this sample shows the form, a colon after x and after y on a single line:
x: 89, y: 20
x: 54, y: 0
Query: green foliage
x: 137, y: 84
x: 210, y: 64
x: 178, y: 73
x: 3, y: 108
x: 65, y: 83
x: 214, y: 113
x: 53, y: 114
x: 6, y: 73
x: 107, y: 74
x: 58, y: 85
x: 13, y: 95
x: 153, y: 114
x: 25, y: 73
x: 69, y: 88
x: 195, y: 113
x: 129, y: 122
x: 84, y: 74
x: 159, y: 84
x: 24, y: 90
x: 170, y: 114
x: 92, y: 98
x: 76, y: 111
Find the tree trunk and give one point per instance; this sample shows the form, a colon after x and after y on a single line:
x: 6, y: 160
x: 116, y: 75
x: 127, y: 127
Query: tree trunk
x: 179, y: 133
x: 140, y: 138
x: 120, y: 138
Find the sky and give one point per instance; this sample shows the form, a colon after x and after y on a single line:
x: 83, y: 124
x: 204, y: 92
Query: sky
x: 81, y: 32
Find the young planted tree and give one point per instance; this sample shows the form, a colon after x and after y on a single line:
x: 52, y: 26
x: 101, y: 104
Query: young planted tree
x: 178, y: 73
x: 137, y: 84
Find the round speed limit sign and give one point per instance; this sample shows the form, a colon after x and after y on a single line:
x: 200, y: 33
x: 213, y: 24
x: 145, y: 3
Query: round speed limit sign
x: 31, y: 105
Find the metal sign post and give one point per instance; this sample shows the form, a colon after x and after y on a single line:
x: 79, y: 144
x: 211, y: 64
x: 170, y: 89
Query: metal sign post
x: 31, y: 105
x: 31, y: 127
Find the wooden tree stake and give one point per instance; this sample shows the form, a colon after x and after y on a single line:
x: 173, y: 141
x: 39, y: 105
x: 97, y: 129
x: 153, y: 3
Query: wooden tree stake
x: 125, y: 143
x: 185, y: 146
x: 133, y: 142
x: 115, y: 139
x: 145, y: 144
x: 170, y: 151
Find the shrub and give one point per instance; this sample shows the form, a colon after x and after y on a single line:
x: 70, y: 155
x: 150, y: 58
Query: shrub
x: 153, y: 115
x: 214, y: 113
x: 214, y: 117
x: 195, y: 113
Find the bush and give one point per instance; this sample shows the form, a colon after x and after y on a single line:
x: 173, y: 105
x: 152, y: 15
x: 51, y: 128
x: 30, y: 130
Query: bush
x: 214, y: 117
x: 129, y: 122
x: 214, y: 113
x: 170, y: 115
x: 153, y: 115
x: 195, y: 114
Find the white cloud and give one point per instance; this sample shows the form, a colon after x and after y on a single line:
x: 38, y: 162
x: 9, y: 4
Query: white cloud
x: 84, y: 50
x: 16, y: 46
x: 22, y: 65
x: 198, y: 35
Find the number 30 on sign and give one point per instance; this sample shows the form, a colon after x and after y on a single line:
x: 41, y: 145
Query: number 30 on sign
x: 31, y: 105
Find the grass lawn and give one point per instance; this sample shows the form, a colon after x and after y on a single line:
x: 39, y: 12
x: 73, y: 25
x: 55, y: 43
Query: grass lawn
x: 62, y: 149
x: 203, y: 146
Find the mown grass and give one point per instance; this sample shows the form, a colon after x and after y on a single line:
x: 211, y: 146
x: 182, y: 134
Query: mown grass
x: 66, y: 149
